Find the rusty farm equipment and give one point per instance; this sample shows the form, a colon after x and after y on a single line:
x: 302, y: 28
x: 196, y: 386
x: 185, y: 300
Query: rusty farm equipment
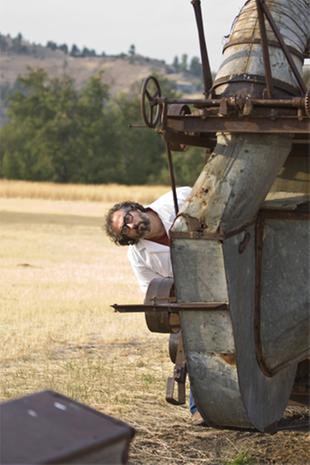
x: 237, y: 307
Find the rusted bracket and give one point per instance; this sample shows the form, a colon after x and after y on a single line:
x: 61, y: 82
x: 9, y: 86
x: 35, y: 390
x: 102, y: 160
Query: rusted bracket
x: 195, y: 233
x: 179, y: 376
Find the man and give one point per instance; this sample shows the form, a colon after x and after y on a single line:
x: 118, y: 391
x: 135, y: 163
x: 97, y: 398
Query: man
x: 146, y: 231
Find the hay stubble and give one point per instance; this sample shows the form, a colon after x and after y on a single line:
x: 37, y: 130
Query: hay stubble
x: 59, y: 276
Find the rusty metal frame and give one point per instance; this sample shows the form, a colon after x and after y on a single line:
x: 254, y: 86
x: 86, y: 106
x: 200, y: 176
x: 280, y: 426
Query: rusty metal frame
x: 263, y: 13
x: 265, y: 10
x: 197, y: 231
x: 233, y: 102
x: 206, y: 69
x: 259, y: 233
x: 236, y: 115
x: 258, y: 125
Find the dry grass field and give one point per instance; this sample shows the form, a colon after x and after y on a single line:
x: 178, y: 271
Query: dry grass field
x: 59, y: 276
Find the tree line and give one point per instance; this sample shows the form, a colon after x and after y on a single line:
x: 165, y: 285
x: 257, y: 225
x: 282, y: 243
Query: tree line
x: 57, y: 132
x: 19, y: 45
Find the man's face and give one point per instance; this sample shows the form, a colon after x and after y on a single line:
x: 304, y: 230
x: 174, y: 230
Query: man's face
x: 134, y: 224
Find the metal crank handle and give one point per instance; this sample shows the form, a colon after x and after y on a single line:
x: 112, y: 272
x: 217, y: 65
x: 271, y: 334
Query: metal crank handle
x: 170, y: 392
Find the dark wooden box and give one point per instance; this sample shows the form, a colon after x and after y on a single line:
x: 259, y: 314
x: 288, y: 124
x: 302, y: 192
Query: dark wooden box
x: 47, y: 427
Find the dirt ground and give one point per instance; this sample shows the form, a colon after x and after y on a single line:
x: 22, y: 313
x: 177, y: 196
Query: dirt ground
x: 165, y: 434
x: 59, y: 277
x: 178, y: 442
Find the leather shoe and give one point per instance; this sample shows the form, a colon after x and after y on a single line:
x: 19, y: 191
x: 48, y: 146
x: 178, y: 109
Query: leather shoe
x: 198, y: 420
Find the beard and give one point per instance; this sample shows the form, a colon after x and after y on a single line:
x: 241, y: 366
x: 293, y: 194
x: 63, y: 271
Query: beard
x: 143, y: 226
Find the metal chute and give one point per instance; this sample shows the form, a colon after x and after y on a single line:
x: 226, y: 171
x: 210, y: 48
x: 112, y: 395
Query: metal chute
x: 238, y: 259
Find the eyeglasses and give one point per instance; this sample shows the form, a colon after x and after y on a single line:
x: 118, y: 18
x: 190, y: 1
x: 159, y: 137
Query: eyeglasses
x: 128, y: 218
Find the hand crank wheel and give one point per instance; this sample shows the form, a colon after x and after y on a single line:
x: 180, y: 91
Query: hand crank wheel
x: 150, y: 107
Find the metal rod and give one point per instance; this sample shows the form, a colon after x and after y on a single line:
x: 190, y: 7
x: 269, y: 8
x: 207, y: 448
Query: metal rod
x: 170, y: 307
x: 264, y: 42
x: 284, y: 47
x: 172, y: 178
x: 294, y: 102
x: 206, y: 70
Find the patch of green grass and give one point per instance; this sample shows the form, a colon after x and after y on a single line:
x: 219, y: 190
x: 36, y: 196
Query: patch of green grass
x: 148, y: 379
x: 241, y: 459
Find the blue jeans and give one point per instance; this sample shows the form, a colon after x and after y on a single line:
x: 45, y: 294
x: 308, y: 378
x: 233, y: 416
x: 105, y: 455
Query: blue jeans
x: 192, y: 403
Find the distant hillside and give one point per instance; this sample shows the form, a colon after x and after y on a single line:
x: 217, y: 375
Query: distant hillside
x: 119, y: 72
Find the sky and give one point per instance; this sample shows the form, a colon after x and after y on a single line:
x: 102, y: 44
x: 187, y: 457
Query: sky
x: 158, y: 28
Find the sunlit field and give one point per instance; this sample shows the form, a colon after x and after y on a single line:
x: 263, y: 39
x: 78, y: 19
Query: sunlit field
x: 101, y: 193
x: 59, y: 277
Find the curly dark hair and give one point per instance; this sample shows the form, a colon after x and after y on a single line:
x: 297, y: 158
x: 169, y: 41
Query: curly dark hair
x: 121, y: 239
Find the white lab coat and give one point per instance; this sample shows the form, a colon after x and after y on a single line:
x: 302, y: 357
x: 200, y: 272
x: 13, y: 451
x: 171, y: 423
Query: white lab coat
x: 149, y: 259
